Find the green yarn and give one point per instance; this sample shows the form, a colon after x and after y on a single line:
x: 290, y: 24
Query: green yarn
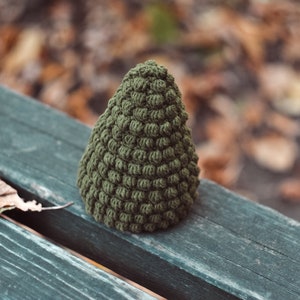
x: 139, y: 171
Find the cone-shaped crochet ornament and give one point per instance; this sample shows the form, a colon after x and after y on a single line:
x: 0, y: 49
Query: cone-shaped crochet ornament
x: 139, y: 171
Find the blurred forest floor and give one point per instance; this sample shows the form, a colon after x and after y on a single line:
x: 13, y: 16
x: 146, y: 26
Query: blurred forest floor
x: 236, y: 62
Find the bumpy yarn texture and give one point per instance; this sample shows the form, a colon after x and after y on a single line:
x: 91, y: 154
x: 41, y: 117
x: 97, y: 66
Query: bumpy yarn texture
x: 139, y: 171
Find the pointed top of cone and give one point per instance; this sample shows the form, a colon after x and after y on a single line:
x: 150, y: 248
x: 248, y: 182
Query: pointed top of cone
x: 139, y: 171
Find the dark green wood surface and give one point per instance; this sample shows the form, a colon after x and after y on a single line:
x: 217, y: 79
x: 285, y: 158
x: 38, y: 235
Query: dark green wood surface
x: 227, y: 247
x: 33, y: 268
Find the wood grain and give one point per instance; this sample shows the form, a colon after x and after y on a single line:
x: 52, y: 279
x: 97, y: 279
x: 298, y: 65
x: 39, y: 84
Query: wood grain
x: 227, y: 248
x: 33, y: 268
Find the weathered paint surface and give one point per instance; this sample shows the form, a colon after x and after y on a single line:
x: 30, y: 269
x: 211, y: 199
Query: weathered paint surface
x: 228, y: 247
x: 33, y: 268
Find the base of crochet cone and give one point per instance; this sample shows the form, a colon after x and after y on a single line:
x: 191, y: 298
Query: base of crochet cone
x: 137, y: 223
x: 138, y: 228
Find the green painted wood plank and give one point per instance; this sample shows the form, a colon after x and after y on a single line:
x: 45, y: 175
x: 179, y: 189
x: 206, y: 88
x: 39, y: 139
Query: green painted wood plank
x: 228, y: 247
x: 33, y: 268
x: 45, y: 121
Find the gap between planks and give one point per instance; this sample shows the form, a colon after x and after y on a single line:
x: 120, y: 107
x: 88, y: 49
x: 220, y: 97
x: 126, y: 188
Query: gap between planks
x: 88, y: 260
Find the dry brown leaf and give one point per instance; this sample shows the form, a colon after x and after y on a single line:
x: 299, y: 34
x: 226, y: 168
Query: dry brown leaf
x: 78, y: 108
x: 27, y: 49
x: 133, y: 37
x: 51, y: 71
x: 16, y: 84
x: 281, y: 85
x: 253, y: 112
x: 224, y: 106
x: 290, y: 190
x: 249, y: 34
x: 222, y: 130
x: 198, y: 88
x: 274, y: 79
x: 202, y: 85
x: 8, y: 35
x: 227, y: 127
x: 235, y: 29
x: 292, y: 48
x: 55, y: 92
x: 62, y: 37
x: 290, y: 104
x: 272, y: 151
x: 283, y: 124
x: 219, y: 163
x: 9, y: 199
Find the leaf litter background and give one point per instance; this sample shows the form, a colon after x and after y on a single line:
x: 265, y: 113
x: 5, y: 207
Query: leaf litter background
x: 236, y: 62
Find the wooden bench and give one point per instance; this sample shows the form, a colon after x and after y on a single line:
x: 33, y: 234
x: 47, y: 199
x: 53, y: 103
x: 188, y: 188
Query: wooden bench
x: 227, y: 248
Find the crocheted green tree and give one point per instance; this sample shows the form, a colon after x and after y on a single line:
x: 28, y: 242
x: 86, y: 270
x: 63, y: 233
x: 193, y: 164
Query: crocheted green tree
x: 139, y: 171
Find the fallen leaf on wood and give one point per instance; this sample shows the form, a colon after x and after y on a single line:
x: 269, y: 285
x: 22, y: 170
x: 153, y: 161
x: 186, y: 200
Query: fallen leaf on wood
x: 272, y: 151
x: 290, y: 190
x: 9, y: 199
